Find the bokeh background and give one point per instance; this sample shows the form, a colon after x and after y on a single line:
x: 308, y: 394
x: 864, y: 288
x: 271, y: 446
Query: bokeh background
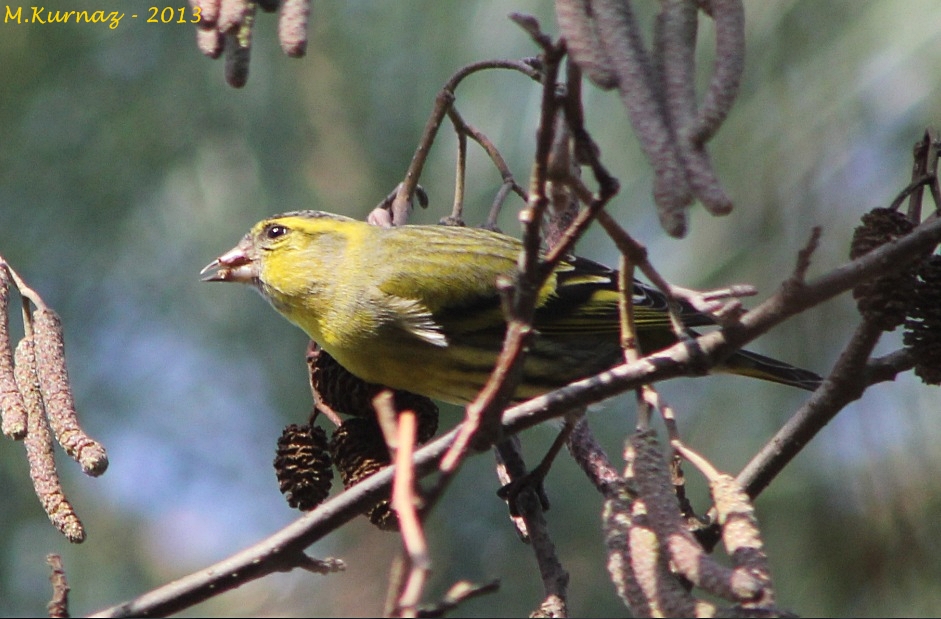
x: 127, y: 164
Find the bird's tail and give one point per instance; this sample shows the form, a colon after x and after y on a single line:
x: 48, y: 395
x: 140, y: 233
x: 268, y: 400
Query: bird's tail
x: 745, y: 363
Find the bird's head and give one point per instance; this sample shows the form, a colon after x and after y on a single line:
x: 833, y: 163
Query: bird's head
x: 277, y: 246
x: 289, y: 258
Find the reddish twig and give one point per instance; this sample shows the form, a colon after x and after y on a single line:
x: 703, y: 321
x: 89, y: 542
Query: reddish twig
x: 58, y: 606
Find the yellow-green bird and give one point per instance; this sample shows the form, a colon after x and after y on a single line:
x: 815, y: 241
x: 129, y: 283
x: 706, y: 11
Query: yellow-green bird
x: 416, y: 307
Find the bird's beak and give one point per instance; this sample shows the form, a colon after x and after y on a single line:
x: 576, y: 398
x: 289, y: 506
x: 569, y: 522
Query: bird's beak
x: 235, y: 265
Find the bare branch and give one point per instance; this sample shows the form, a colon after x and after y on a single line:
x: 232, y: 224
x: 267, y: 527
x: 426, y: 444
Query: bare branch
x: 457, y: 594
x: 443, y: 102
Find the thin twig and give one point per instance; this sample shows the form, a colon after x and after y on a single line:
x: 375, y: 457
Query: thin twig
x: 637, y: 255
x: 400, y: 430
x: 443, y: 102
x: 460, y: 177
x: 404, y: 502
x: 528, y: 503
x: 461, y: 126
x: 483, y: 413
x: 846, y: 383
x: 497, y: 205
x: 58, y: 606
x: 920, y: 176
x: 457, y: 594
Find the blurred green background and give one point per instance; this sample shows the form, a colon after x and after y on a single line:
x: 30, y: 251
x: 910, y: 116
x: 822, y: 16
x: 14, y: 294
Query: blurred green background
x: 127, y: 164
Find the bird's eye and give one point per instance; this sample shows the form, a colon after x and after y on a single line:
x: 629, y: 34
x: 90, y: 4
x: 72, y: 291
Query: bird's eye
x: 273, y: 231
